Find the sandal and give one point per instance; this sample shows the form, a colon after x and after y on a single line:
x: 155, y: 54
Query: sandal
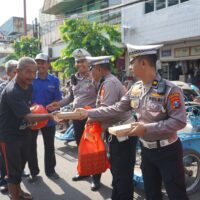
x: 25, y: 196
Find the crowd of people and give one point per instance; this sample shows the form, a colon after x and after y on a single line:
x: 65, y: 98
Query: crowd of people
x: 154, y: 107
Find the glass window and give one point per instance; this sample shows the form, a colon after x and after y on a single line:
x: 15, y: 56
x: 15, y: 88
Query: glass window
x: 172, y: 2
x: 91, y: 5
x: 183, y: 1
x: 149, y: 6
x: 160, y: 4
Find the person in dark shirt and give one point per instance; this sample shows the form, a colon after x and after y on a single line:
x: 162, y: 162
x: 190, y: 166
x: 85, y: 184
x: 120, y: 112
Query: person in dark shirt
x: 10, y: 68
x: 15, y: 117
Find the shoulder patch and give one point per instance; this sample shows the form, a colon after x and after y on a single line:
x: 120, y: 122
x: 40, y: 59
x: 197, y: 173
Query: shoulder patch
x: 175, y: 101
x: 102, y: 92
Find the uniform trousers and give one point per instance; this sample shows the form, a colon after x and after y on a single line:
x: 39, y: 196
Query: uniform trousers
x: 122, y: 159
x: 164, y: 164
x: 48, y: 134
x: 79, y: 126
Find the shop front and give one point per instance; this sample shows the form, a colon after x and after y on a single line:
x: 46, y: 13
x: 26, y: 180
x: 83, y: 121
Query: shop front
x: 181, y: 61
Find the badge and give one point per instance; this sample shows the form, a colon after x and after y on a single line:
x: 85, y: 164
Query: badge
x: 155, y: 84
x: 175, y: 101
x: 79, y: 54
x: 135, y: 92
x: 135, y: 103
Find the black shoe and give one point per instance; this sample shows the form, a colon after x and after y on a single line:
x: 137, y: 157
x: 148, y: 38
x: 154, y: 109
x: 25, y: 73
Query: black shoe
x: 4, y: 188
x: 79, y: 178
x: 53, y: 176
x: 95, y: 186
x: 33, y: 179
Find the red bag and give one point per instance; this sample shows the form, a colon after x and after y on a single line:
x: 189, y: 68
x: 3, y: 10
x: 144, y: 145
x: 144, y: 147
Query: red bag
x: 92, y: 157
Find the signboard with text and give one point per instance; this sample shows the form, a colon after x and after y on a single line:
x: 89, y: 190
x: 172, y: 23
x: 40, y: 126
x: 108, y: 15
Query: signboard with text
x: 195, y: 51
x: 182, y: 52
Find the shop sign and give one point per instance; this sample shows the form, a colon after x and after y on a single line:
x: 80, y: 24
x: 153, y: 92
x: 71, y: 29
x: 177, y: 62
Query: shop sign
x: 181, y: 52
x: 166, y: 53
x: 195, y: 51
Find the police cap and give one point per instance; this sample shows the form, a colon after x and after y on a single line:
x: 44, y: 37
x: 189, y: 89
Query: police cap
x: 80, y: 54
x: 139, y: 50
x: 98, y: 60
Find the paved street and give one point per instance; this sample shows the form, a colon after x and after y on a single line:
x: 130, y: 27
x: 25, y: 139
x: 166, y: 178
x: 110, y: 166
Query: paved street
x: 65, y: 188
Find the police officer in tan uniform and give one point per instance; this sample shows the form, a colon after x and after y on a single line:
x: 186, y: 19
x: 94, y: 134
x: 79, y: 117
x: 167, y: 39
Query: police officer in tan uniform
x: 82, y: 93
x: 122, y: 150
x: 160, y: 110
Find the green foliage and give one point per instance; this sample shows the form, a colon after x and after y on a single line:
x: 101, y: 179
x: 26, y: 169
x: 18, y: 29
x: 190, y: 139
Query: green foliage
x: 97, y: 38
x: 26, y: 46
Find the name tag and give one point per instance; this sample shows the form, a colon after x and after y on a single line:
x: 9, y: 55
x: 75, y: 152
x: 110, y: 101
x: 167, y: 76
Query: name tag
x: 51, y: 86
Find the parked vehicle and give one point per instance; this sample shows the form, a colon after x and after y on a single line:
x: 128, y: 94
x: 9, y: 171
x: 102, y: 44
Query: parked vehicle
x: 190, y: 91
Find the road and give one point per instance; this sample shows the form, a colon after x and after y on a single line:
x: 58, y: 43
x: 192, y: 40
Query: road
x: 65, y: 188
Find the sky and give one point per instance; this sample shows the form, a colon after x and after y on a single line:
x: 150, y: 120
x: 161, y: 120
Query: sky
x: 11, y: 8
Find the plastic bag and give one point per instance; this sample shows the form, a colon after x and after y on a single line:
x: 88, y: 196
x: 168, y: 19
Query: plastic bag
x: 92, y: 156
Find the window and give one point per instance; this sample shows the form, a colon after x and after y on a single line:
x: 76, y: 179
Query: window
x: 149, y: 6
x: 183, y: 1
x: 160, y: 4
x: 91, y: 5
x: 172, y: 2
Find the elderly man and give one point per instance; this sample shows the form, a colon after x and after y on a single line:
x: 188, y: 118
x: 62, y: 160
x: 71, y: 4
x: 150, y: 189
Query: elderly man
x: 15, y: 116
x: 10, y: 68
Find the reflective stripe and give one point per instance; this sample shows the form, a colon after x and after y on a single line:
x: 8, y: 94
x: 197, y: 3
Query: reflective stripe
x: 3, y: 150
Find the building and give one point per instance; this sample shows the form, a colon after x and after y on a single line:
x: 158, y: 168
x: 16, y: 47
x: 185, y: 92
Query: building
x: 54, y: 12
x: 174, y: 23
x: 11, y: 30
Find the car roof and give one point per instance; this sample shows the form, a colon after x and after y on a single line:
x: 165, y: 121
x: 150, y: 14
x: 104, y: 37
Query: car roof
x: 182, y: 85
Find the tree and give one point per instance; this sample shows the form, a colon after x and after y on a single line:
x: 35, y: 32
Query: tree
x: 98, y: 38
x: 26, y: 46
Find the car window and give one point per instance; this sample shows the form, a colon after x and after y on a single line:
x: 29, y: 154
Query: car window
x: 189, y: 94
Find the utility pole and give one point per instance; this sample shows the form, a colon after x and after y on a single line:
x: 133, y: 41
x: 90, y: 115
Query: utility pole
x: 25, y: 25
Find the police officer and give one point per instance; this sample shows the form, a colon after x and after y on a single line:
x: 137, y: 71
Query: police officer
x: 159, y: 105
x: 83, y: 92
x: 122, y: 150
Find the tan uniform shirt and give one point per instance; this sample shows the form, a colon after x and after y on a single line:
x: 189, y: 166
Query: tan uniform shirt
x: 163, y: 115
x: 110, y: 92
x: 84, y: 93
